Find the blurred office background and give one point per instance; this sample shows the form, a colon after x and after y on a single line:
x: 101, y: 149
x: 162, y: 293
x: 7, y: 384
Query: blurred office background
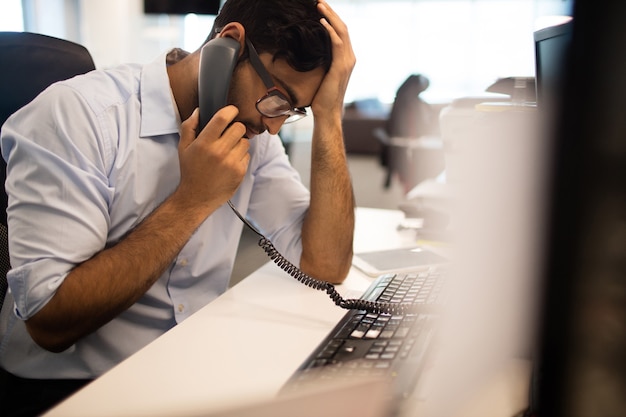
x: 461, y: 47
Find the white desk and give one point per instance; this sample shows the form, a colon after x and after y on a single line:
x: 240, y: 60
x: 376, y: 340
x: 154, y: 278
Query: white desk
x: 243, y: 346
x: 239, y: 349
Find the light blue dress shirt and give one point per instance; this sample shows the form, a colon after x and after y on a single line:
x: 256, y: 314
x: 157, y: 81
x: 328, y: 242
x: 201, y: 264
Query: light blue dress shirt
x: 87, y: 161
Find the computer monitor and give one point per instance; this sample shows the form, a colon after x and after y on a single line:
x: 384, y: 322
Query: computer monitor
x: 175, y: 7
x: 550, y: 45
x: 582, y: 335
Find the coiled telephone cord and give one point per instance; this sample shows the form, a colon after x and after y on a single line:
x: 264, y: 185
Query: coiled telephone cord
x: 376, y: 307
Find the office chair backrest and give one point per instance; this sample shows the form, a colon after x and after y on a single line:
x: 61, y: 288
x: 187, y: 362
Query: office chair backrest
x: 410, y: 116
x: 410, y: 120
x: 30, y: 63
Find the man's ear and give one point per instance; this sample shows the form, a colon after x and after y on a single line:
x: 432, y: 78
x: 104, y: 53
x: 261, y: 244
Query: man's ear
x: 236, y: 31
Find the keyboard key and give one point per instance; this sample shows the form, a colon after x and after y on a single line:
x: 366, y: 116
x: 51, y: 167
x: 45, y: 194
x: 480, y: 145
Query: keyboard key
x: 372, y: 334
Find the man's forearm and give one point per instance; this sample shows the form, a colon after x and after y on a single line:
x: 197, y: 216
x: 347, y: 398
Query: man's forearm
x: 329, y: 226
x: 102, y: 287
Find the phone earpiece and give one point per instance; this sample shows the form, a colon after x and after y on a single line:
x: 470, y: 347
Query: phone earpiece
x: 218, y: 58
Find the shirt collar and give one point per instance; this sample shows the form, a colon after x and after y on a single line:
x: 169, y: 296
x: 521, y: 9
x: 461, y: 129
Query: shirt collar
x: 159, y: 115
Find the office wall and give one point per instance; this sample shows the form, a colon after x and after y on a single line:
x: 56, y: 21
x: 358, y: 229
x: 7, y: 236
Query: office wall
x: 117, y: 31
x: 114, y: 31
x: 52, y: 17
x: 111, y: 30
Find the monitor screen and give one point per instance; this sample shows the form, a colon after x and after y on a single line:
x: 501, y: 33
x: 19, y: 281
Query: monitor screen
x: 550, y: 46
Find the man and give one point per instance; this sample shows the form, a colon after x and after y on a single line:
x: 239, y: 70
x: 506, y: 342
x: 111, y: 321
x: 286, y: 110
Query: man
x: 118, y: 221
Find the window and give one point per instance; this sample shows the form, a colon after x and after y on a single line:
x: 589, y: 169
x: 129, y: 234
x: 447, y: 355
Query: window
x: 11, y: 17
x: 462, y: 46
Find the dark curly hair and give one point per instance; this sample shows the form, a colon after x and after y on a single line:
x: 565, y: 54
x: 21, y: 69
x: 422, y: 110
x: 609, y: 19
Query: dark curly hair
x: 287, y: 29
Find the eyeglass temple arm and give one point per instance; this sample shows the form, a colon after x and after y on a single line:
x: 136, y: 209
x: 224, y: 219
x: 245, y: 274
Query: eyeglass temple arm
x: 258, y: 65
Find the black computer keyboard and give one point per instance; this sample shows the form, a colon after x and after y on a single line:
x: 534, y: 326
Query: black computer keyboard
x: 391, y: 345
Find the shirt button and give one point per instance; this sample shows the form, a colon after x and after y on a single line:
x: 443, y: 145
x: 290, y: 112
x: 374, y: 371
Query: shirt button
x: 182, y: 262
x: 181, y: 308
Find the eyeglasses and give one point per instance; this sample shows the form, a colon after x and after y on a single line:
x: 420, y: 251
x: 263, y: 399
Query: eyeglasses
x: 274, y: 103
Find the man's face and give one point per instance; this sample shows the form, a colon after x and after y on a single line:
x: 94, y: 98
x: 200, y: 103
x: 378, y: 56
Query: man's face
x: 247, y: 87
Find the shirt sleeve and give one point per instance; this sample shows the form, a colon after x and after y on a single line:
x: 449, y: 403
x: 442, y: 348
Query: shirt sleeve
x: 279, y: 200
x: 58, y: 193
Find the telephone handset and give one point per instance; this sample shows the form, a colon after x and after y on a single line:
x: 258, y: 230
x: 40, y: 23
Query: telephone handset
x: 217, y: 62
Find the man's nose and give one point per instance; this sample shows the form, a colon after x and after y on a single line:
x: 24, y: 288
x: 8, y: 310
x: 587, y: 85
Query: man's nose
x: 273, y: 124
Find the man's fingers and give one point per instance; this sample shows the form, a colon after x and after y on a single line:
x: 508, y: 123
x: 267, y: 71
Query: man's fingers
x: 188, y: 129
x: 234, y: 133
x: 333, y: 19
x: 338, y: 32
x: 219, y: 122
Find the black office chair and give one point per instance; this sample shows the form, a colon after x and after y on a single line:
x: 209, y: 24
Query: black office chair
x: 30, y: 63
x: 410, y: 120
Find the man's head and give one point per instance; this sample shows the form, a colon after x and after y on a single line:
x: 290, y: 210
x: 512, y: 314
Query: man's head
x: 292, y: 46
x: 287, y: 29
